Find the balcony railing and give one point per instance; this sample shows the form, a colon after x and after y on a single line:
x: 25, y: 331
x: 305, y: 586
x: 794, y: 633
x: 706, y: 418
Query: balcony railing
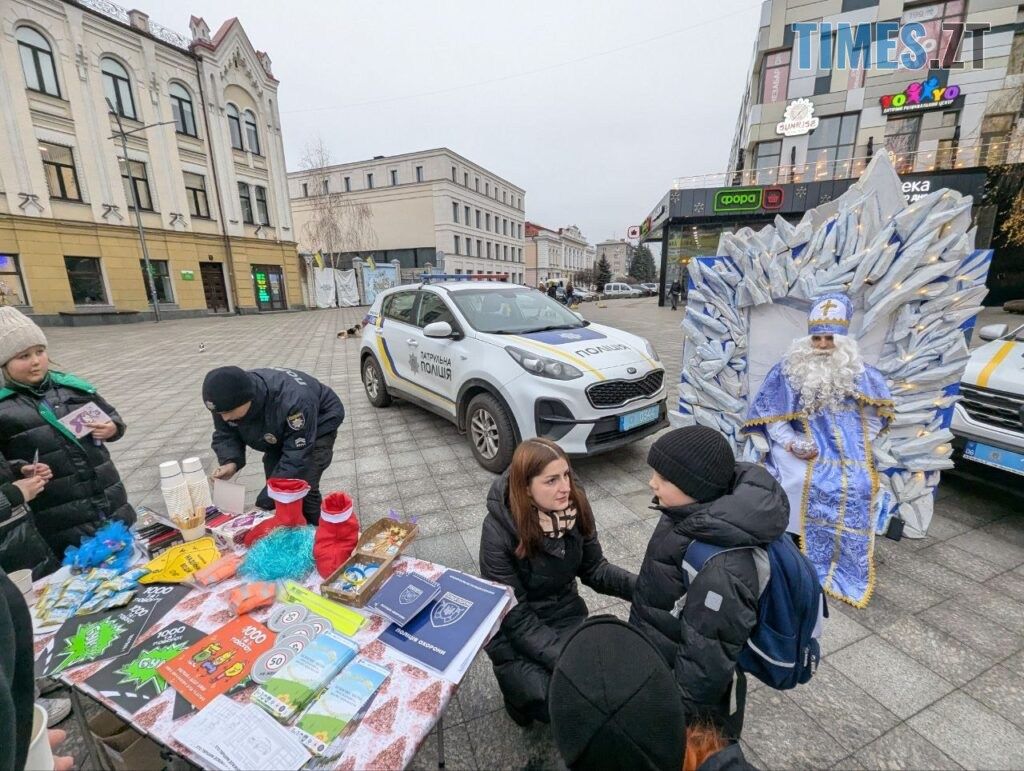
x: 964, y: 155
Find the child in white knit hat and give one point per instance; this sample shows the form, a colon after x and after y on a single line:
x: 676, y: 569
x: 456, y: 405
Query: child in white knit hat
x: 83, y: 487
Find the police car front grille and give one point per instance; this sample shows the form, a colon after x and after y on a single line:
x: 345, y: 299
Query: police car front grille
x: 996, y: 408
x: 615, y: 393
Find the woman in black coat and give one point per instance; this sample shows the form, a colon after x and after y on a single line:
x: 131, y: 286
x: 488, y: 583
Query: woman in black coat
x: 538, y: 537
x: 21, y: 545
x: 85, y: 489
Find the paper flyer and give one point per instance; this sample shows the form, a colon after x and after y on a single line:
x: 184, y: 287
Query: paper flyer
x: 132, y: 680
x: 83, y: 639
x: 219, y: 661
x: 402, y: 596
x: 87, y: 413
x: 292, y: 686
x: 346, y: 698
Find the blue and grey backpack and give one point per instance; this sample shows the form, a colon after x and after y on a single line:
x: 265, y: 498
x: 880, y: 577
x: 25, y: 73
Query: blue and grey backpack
x: 783, y: 649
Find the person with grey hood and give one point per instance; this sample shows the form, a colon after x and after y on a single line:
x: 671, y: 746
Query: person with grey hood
x: 703, y: 494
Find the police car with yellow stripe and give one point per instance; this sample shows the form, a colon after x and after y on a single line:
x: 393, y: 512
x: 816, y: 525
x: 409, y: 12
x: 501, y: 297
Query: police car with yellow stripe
x: 988, y: 422
x: 505, y: 363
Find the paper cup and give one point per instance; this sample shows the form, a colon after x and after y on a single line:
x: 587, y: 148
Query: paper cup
x: 23, y: 580
x: 193, y: 533
x: 40, y: 756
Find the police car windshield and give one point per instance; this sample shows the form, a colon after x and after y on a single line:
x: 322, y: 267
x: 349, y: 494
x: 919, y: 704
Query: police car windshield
x: 513, y: 311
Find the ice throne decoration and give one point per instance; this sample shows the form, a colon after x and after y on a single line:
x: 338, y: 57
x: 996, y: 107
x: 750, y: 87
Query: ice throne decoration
x: 917, y: 283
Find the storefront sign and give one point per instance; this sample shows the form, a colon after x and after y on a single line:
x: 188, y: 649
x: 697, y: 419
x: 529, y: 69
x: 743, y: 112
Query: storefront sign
x: 798, y: 119
x: 926, y: 95
x: 773, y: 197
x: 188, y: 275
x: 738, y: 199
x: 262, y: 287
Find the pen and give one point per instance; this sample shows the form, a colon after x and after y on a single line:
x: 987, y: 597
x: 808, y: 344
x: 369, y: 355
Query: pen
x: 35, y: 463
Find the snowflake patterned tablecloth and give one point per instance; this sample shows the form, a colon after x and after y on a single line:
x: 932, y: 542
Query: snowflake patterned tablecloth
x: 403, y: 712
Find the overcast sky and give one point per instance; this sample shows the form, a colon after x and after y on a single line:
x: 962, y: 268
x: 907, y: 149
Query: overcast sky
x: 591, y: 107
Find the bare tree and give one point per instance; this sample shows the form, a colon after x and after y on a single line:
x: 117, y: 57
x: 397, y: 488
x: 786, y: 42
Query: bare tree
x: 337, y: 224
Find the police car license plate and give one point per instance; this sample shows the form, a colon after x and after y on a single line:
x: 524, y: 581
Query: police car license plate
x: 632, y: 420
x: 995, y: 456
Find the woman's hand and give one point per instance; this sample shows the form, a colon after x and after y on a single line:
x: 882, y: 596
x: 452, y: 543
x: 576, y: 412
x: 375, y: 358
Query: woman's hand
x: 40, y: 470
x: 30, y: 487
x: 103, y: 431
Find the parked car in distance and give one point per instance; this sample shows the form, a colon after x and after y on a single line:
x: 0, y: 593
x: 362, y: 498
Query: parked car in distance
x: 619, y: 289
x: 583, y: 295
x: 651, y: 288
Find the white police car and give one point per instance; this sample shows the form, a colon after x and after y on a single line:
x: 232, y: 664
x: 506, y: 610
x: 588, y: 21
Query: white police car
x: 505, y: 362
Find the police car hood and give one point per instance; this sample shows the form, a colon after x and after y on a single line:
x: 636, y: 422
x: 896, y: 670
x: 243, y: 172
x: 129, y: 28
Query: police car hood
x: 591, y: 347
x: 998, y: 365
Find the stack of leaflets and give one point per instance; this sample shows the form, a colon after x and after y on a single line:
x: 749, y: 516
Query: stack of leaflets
x: 347, y: 697
x: 291, y: 688
x: 402, y: 596
x: 446, y: 635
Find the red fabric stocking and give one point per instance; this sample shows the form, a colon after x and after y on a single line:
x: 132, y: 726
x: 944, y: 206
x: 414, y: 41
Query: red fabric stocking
x: 287, y: 495
x: 337, y: 534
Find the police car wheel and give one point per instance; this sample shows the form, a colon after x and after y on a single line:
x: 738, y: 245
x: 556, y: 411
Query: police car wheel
x: 373, y: 382
x: 491, y: 436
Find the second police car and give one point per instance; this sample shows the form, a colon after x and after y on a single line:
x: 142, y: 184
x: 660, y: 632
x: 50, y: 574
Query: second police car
x: 506, y: 363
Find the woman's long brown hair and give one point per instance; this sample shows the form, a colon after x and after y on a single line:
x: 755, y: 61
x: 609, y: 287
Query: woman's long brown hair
x: 702, y: 741
x: 529, y: 461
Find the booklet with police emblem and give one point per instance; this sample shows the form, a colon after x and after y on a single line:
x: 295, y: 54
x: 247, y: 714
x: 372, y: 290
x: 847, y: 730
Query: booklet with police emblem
x: 402, y: 596
x: 440, y: 632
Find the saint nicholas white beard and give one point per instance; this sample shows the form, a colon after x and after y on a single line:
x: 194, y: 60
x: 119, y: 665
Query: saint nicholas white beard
x: 823, y: 379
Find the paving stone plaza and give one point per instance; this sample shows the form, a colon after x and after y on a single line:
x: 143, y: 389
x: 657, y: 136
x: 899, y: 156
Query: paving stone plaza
x: 929, y: 676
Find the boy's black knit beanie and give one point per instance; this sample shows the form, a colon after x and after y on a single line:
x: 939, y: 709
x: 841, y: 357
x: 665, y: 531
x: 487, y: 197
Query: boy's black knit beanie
x: 696, y: 459
x: 226, y: 388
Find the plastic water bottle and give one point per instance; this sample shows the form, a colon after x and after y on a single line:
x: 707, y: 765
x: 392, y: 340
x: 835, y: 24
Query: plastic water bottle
x: 198, y: 484
x: 175, y: 491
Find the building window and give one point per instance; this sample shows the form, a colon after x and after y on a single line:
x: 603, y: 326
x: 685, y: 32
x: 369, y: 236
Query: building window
x: 136, y: 184
x: 86, y: 280
x: 504, y: 226
x: 830, y: 146
x: 477, y: 183
x: 181, y: 108
x: 901, y: 141
x: 37, y: 62
x: 487, y: 221
x: 767, y: 159
x: 774, y: 77
x: 457, y: 239
x: 195, y: 191
x: 995, y: 139
x: 305, y: 190
x: 235, y: 124
x: 465, y: 179
x: 465, y: 212
x: 325, y: 186
x: 117, y: 87
x: 520, y: 255
x: 479, y: 247
x: 488, y: 250
x: 262, y: 213
x: 394, y: 177
x: 503, y: 196
x: 477, y: 219
x: 455, y: 211
x: 487, y: 188
x: 161, y: 279
x: 504, y: 252
x: 1016, y: 64
x: 246, y: 201
x: 369, y: 181
x: 348, y: 184
x: 12, y: 284
x: 469, y: 247
x: 938, y: 41
x: 59, y: 167
x: 252, y: 135
x: 454, y: 179
x: 419, y: 173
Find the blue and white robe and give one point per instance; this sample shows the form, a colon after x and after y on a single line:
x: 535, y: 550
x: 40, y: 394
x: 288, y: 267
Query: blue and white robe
x: 834, y: 499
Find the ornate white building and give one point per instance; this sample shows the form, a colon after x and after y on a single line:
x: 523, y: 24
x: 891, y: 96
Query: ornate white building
x: 555, y: 254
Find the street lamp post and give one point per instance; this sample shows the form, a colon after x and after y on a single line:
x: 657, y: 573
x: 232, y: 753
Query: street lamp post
x: 123, y: 136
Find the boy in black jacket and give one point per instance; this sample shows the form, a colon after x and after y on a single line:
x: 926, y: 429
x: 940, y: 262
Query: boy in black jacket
x: 705, y: 495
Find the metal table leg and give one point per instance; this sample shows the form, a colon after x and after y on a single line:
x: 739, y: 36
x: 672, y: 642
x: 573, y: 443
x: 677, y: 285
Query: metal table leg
x: 96, y: 753
x: 440, y: 742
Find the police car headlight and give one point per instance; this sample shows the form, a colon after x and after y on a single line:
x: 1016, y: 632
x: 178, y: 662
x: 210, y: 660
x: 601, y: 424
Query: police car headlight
x: 542, y: 366
x: 650, y: 349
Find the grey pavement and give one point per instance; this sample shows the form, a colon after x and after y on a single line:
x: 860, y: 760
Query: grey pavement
x: 930, y: 675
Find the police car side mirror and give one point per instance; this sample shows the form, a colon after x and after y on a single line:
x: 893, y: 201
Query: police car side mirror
x: 992, y: 332
x: 438, y: 329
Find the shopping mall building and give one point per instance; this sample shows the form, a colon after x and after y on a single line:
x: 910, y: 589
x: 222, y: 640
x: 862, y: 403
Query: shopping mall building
x: 804, y: 135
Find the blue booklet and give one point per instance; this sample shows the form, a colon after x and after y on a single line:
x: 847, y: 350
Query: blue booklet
x: 402, y: 596
x: 438, y: 633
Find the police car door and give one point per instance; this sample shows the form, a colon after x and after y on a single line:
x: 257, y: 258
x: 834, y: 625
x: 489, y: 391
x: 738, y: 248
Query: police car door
x: 441, y: 360
x: 401, y: 339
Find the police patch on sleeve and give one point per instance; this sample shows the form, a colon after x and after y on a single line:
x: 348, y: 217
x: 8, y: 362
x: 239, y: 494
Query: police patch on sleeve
x: 296, y: 421
x: 270, y: 439
x: 300, y: 443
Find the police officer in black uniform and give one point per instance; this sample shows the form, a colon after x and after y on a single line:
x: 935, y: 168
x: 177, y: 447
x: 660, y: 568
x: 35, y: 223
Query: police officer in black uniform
x: 289, y: 416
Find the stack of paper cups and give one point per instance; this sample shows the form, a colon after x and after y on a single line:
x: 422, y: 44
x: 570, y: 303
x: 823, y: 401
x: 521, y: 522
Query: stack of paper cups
x: 175, y: 492
x: 40, y: 756
x: 198, y: 484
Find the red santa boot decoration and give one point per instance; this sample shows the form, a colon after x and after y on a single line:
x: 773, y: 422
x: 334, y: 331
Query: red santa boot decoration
x: 287, y: 495
x: 337, y: 534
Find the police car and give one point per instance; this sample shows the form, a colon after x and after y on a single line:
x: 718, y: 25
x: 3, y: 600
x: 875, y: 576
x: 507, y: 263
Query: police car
x: 505, y: 363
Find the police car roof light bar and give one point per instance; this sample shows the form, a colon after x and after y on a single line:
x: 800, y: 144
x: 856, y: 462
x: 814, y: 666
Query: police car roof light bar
x: 426, y: 278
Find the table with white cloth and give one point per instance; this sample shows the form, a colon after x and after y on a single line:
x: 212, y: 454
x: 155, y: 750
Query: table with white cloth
x: 404, y: 711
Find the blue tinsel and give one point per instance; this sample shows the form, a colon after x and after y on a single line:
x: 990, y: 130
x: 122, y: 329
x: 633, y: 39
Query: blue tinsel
x: 286, y: 552
x: 111, y: 542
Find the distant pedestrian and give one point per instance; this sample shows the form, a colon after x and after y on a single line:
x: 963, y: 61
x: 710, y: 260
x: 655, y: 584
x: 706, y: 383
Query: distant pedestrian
x: 553, y: 291
x: 674, y: 291
x: 568, y: 294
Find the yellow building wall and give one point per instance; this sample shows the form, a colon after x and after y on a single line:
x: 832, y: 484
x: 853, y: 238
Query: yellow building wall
x: 42, y: 244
